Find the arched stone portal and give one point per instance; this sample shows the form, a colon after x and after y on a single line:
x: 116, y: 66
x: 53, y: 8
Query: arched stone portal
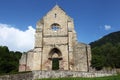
x: 55, y: 56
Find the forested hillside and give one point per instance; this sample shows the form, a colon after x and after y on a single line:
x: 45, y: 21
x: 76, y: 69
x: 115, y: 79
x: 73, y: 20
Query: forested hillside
x: 9, y: 60
x: 106, y: 51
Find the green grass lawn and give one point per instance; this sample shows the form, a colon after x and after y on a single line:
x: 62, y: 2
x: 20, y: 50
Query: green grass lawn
x: 117, y: 77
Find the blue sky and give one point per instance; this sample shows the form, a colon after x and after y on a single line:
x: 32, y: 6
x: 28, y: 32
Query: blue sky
x: 92, y: 18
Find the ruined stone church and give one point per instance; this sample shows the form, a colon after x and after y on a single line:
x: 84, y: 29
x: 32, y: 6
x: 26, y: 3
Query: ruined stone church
x: 56, y: 46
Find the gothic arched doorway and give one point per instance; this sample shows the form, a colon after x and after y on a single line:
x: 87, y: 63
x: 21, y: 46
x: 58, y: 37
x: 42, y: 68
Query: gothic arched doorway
x: 55, y: 56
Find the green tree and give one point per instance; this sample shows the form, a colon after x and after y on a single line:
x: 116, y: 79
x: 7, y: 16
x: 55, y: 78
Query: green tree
x: 9, y: 60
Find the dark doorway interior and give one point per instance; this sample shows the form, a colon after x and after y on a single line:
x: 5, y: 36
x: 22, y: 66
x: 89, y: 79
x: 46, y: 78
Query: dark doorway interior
x: 55, y: 56
x: 55, y: 64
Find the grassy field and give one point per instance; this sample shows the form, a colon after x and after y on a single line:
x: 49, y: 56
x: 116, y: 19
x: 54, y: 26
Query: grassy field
x: 117, y: 77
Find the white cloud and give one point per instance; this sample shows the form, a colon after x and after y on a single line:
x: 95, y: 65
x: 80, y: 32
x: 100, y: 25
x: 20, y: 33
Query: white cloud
x: 107, y: 27
x: 15, y: 39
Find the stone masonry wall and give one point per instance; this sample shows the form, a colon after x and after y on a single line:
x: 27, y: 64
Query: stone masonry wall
x: 21, y: 76
x: 81, y: 57
x: 74, y: 55
x: 54, y: 74
x: 60, y: 74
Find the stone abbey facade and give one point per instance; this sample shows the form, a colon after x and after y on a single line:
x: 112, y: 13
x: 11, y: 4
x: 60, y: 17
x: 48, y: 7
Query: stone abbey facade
x: 56, y: 45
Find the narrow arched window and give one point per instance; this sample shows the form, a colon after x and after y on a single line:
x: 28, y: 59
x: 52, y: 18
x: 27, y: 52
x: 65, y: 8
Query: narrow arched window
x: 55, y: 15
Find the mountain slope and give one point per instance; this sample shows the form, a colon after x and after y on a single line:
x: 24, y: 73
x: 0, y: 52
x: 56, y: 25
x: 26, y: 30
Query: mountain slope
x: 106, y: 52
x: 113, y: 38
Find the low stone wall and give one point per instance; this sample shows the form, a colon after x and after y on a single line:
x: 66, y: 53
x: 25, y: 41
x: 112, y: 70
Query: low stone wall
x: 118, y: 70
x: 53, y: 74
x: 20, y: 76
x: 60, y: 74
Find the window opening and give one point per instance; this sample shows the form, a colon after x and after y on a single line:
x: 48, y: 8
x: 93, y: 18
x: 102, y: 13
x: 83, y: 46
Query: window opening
x: 55, y: 15
x: 55, y: 27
